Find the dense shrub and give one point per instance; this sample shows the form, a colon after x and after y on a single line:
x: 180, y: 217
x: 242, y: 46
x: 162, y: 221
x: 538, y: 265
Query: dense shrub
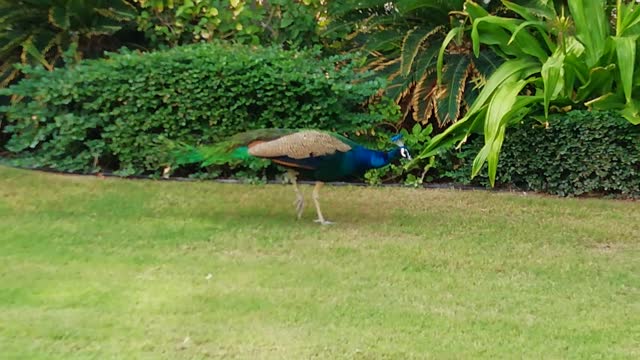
x: 116, y: 113
x: 576, y: 153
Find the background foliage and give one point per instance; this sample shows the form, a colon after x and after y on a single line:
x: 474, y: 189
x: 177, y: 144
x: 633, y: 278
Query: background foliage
x: 464, y: 71
x: 287, y: 23
x: 116, y: 113
x: 40, y: 31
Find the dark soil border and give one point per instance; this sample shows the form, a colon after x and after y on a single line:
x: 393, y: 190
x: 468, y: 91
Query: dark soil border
x: 432, y: 186
x: 106, y: 174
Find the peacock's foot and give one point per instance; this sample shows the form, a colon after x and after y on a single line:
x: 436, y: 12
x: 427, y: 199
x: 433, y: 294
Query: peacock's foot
x: 299, y: 202
x: 323, y: 222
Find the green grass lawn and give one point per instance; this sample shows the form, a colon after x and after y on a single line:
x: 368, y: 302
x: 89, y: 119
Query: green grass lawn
x: 95, y: 268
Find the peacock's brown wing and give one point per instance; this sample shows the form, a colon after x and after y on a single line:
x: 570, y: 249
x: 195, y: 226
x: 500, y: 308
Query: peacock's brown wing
x: 299, y: 145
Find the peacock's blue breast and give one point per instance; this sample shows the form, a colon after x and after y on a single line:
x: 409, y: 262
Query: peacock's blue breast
x: 343, y: 165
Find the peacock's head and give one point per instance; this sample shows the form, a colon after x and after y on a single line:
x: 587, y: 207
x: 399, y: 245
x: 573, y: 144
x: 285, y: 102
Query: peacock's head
x: 404, y: 152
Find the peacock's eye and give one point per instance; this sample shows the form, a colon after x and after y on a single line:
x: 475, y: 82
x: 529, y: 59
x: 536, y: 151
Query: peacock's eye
x: 405, y: 153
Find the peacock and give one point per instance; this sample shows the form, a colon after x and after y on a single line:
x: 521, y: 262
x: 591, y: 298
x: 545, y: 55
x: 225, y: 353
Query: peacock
x: 309, y: 154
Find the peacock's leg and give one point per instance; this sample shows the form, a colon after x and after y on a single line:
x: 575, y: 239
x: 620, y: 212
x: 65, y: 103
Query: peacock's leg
x: 316, y: 198
x: 299, y: 202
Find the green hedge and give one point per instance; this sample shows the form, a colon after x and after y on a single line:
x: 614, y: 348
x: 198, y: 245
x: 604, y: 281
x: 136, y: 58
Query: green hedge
x: 115, y: 114
x: 577, y: 153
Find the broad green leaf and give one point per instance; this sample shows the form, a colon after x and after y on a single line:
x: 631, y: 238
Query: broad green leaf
x: 519, y: 110
x: 573, y: 46
x: 439, y: 141
x: 490, y: 36
x: 533, y: 9
x: 627, y: 19
x: 480, y: 159
x: 474, y: 10
x: 523, y: 67
x: 494, y: 155
x: 435, y: 150
x: 521, y: 10
x: 574, y: 66
x: 577, y: 68
x: 523, y: 42
x: 592, y: 27
x: 477, y: 125
x: 609, y: 101
x: 542, y: 30
x: 600, y: 79
x: 626, y: 52
x: 502, y: 103
x: 631, y: 112
x: 552, y: 77
x: 440, y: 7
x: 445, y: 43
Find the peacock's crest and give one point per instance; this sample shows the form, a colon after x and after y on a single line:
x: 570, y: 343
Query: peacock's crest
x: 404, y: 152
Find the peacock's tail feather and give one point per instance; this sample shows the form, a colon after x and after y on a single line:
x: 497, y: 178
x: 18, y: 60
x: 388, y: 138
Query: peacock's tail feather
x: 234, y: 149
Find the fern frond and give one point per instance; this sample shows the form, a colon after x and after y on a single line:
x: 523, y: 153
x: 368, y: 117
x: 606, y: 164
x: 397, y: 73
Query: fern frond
x: 59, y: 17
x: 449, y: 97
x: 7, y: 73
x: 412, y: 43
x: 117, y: 10
x: 29, y: 49
x: 383, y: 63
x: 421, y: 101
x: 389, y: 69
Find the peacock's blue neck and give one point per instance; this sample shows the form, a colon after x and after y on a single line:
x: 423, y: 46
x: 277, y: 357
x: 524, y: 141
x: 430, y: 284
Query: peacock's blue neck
x: 375, y: 159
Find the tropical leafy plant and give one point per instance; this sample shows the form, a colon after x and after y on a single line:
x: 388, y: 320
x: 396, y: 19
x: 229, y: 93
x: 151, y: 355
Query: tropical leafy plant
x: 558, y: 166
x: 554, y: 57
x: 40, y: 31
x: 404, y: 38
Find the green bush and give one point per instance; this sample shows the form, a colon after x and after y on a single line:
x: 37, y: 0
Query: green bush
x: 116, y: 114
x: 577, y: 153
